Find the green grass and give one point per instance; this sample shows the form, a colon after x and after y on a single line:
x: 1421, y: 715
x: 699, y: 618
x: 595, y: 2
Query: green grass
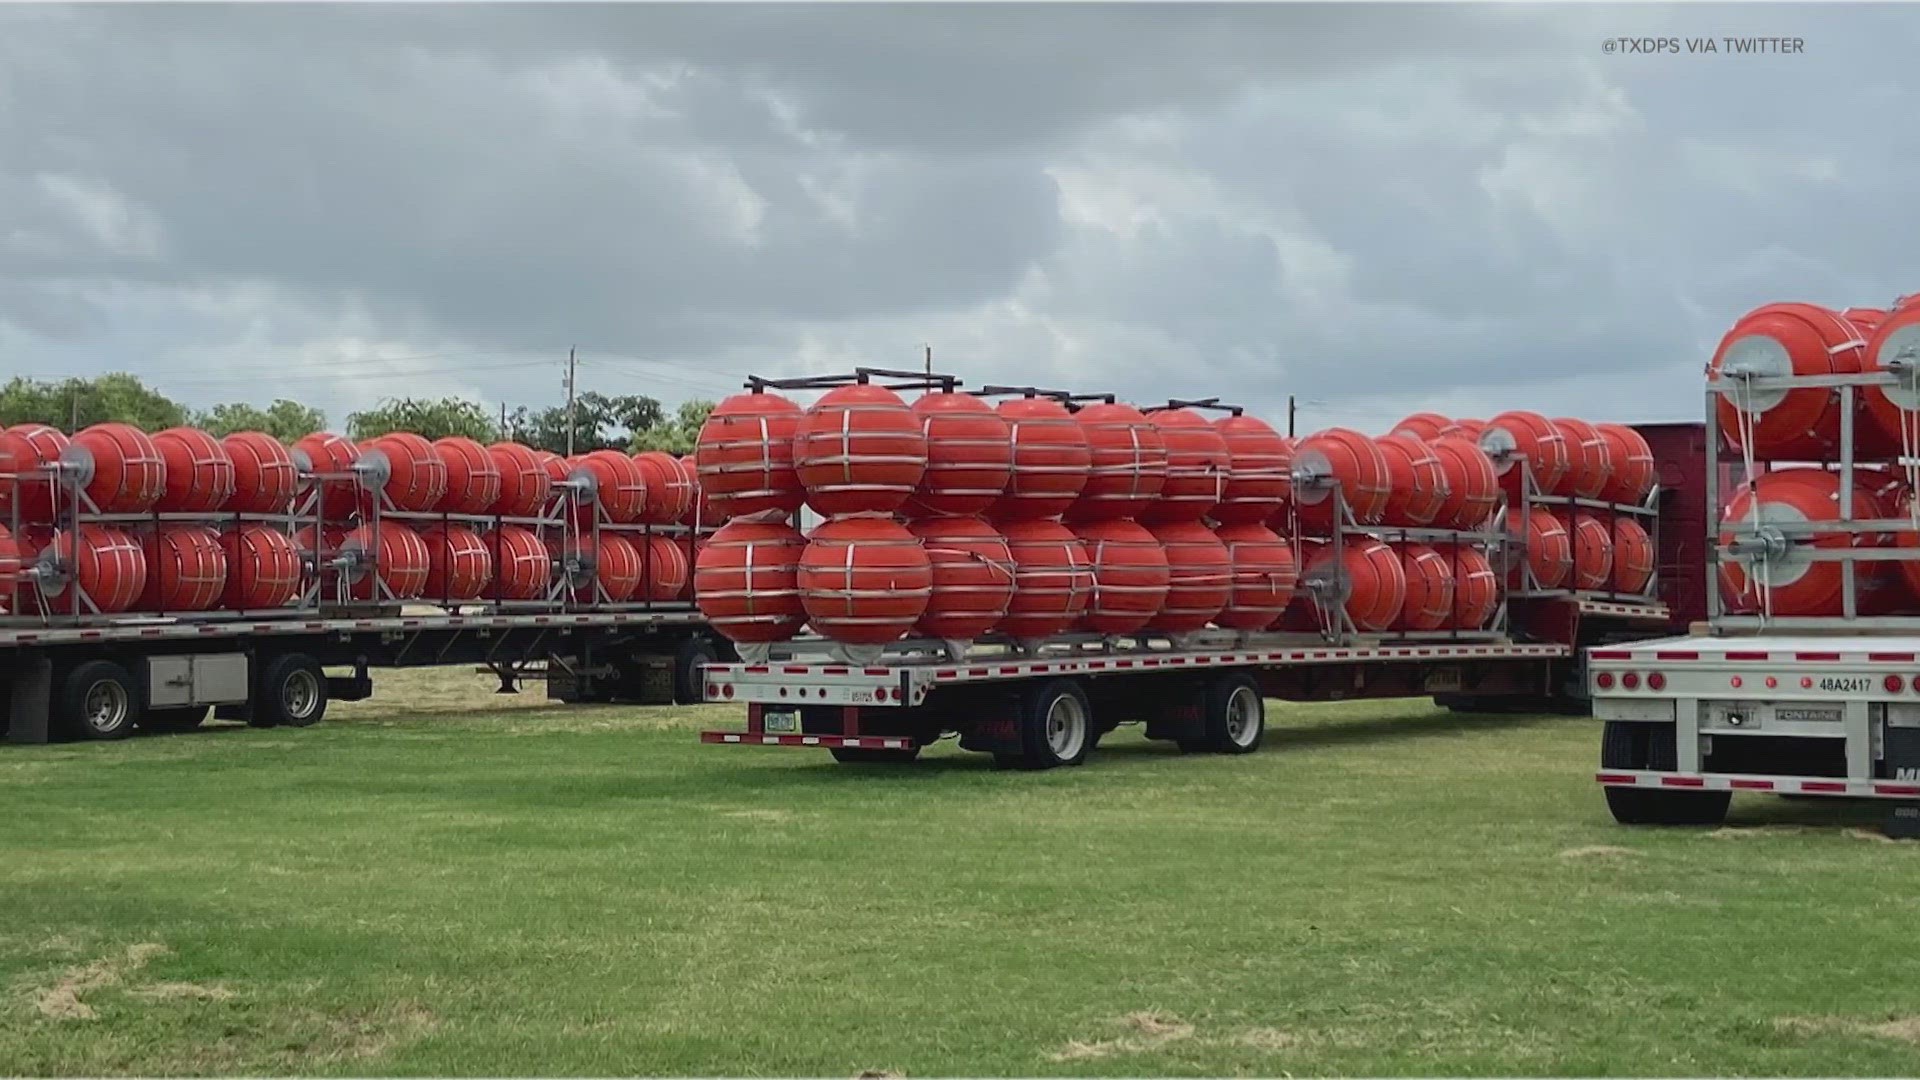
x: 1383, y: 890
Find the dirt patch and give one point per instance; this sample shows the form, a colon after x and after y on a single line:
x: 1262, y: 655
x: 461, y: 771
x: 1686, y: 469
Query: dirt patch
x: 370, y: 1034
x: 181, y: 991
x: 1733, y: 833
x: 61, y: 1001
x: 1596, y: 851
x: 1900, y: 1028
x: 1872, y: 835
x: 1148, y: 1031
x: 879, y: 1074
x: 1264, y: 1038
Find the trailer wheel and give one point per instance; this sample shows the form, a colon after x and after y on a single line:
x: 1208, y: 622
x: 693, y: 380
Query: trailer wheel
x: 1234, y: 715
x: 1645, y: 806
x: 291, y: 692
x: 181, y: 719
x: 857, y: 755
x: 97, y: 701
x: 688, y: 684
x: 1056, y: 725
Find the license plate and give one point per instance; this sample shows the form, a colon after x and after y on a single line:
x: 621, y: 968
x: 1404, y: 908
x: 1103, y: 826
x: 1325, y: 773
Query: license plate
x: 781, y: 721
x: 1814, y: 715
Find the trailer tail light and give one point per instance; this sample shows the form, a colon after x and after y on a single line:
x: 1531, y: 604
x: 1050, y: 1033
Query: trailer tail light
x: 1734, y: 682
x: 1604, y: 680
x: 1772, y: 682
x: 1895, y: 684
x: 1656, y: 681
x: 727, y: 690
x: 1630, y: 680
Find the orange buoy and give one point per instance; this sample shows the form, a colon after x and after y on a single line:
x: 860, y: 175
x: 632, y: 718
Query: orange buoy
x: 24, y: 449
x: 1130, y: 576
x: 197, y: 471
x: 1259, y: 471
x: 1348, y: 458
x: 1762, y: 569
x: 1052, y: 579
x: 186, y: 568
x: 522, y: 565
x: 473, y: 479
x: 410, y: 471
x: 557, y: 467
x: 1199, y: 577
x: 1632, y: 475
x: 969, y: 455
x: 745, y: 581
x: 1367, y: 582
x: 1416, y: 481
x: 1051, y: 460
x: 1129, y: 463
x: 1476, y: 588
x: 864, y: 580
x: 1519, y: 435
x: 859, y: 450
x: 1264, y: 574
x: 525, y: 484
x: 669, y: 487
x: 264, y: 478
x: 690, y: 548
x: 700, y: 513
x: 1473, y: 489
x: 1589, y: 458
x: 120, y: 468
x: 666, y: 571
x: 611, y: 481
x: 1894, y: 411
x: 401, y: 561
x: 1786, y: 339
x: 1633, y: 556
x: 329, y: 462
x: 1865, y: 319
x: 972, y: 576
x: 263, y: 568
x: 107, y: 564
x: 1425, y: 426
x: 459, y: 563
x: 611, y: 566
x: 1465, y: 428
x: 744, y: 455
x: 1546, y: 547
x: 1198, y: 464
x: 1429, y: 600
x: 1592, y: 544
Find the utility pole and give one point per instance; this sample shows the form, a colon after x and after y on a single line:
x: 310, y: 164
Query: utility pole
x: 1289, y: 416
x: 571, y: 366
x: 929, y: 361
x: 503, y: 421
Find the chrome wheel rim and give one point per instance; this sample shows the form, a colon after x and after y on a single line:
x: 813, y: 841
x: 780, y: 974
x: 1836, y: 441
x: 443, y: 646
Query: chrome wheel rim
x: 1066, y: 727
x: 106, y: 705
x: 1243, y: 716
x: 300, y: 694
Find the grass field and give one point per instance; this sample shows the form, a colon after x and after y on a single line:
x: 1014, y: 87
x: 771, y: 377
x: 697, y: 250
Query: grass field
x: 424, y: 886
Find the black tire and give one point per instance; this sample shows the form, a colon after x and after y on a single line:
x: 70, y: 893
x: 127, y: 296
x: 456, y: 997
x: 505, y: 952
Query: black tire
x: 689, y: 687
x: 173, y: 720
x: 1056, y: 725
x: 855, y: 755
x: 289, y: 691
x: 97, y: 702
x: 1234, y: 715
x: 1646, y: 806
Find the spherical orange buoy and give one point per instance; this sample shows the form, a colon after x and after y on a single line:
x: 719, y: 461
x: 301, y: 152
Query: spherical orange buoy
x: 666, y: 571
x: 1592, y: 544
x: 669, y: 487
x: 401, y: 561
x: 27, y: 449
x: 700, y: 512
x: 186, y: 568
x: 972, y: 576
x: 1259, y: 471
x: 1476, y: 588
x: 1416, y: 481
x: 864, y: 581
x: 1865, y: 319
x: 415, y: 475
x: 1367, y: 582
x: 1051, y: 460
x: 1546, y: 547
x: 1429, y: 600
x: 1130, y: 576
x: 1264, y: 575
x: 123, y: 469
x: 523, y: 567
x: 1053, y: 579
x: 1633, y: 556
x: 1464, y: 428
x: 1589, y: 458
x: 1786, y: 339
x: 1200, y: 577
x: 1425, y: 426
x: 1129, y: 463
x: 859, y: 450
x: 1774, y: 572
x: 557, y: 467
x: 613, y: 482
x: 745, y: 581
x: 1894, y: 411
x: 264, y: 478
x: 473, y: 478
x: 1473, y: 490
x: 107, y: 565
x: 459, y: 563
x: 198, y: 471
x: 328, y: 462
x: 1518, y: 435
x: 263, y: 568
x: 969, y: 455
x: 1345, y: 457
x: 745, y: 456
x: 525, y: 484
x: 1632, y: 476
x: 1198, y: 464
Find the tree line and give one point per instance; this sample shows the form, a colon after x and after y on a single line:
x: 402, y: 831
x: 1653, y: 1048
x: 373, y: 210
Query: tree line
x: 629, y: 423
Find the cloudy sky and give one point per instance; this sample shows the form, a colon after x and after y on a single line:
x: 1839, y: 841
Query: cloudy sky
x: 1379, y: 208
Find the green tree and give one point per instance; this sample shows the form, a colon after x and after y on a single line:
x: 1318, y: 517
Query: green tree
x: 285, y: 420
x: 601, y: 422
x: 675, y: 436
x: 432, y: 419
x: 77, y: 403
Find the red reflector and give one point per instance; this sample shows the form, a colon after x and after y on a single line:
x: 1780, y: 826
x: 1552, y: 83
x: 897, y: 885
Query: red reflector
x: 727, y: 690
x: 1894, y: 684
x: 1676, y: 656
x: 1604, y: 680
x: 1772, y: 682
x: 1896, y: 789
x: 1630, y: 680
x: 1615, y: 778
x: 1753, y: 785
x: 1821, y: 785
x: 1734, y: 682
x: 1806, y: 682
x: 712, y: 690
x: 880, y: 693
x: 1613, y: 654
x: 1683, y: 781
x: 1746, y: 656
x: 1656, y: 681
